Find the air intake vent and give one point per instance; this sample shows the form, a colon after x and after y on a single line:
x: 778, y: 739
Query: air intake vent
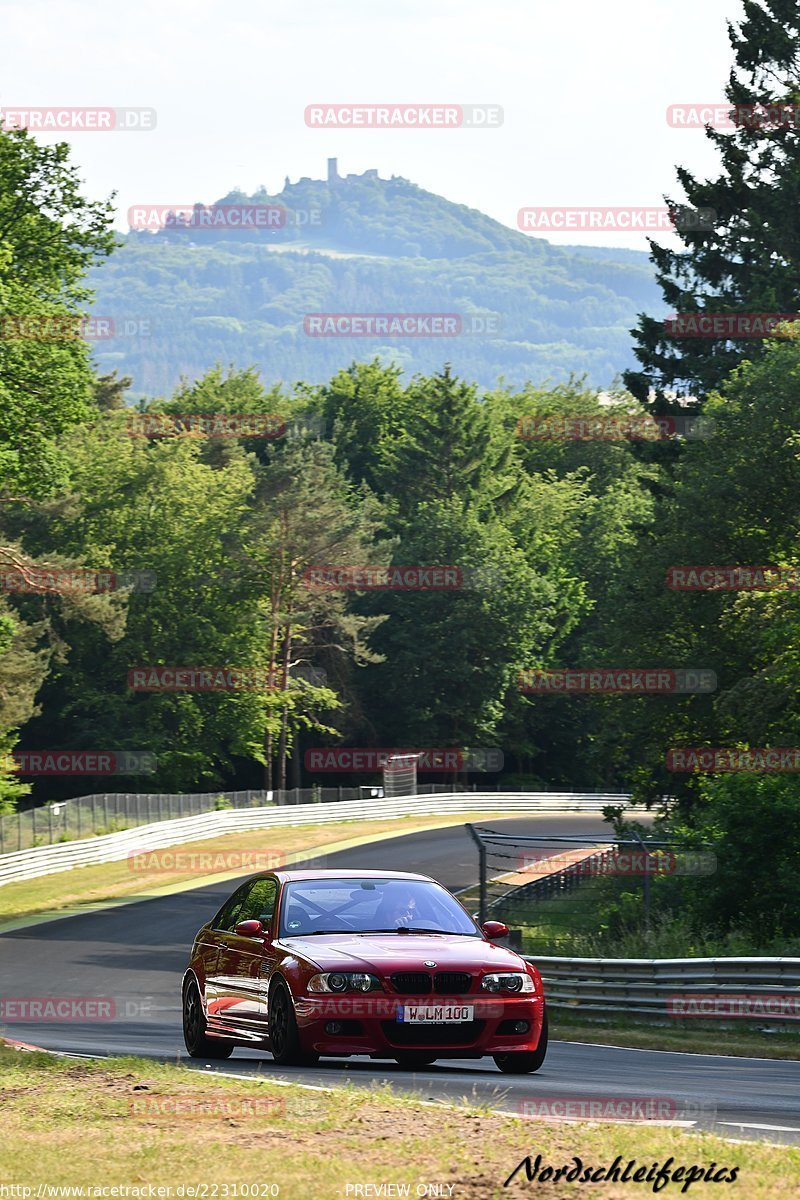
x: 412, y: 983
x: 452, y: 983
x: 462, y: 1034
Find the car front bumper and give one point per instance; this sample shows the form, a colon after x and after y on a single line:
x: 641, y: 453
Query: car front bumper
x: 368, y: 1024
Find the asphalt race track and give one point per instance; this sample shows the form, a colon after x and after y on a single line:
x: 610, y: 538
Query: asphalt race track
x: 136, y: 954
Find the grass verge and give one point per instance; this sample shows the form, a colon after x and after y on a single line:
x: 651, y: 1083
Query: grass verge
x: 130, y: 1122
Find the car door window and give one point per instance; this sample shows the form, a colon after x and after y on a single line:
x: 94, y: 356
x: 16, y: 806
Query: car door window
x: 259, y: 904
x: 229, y: 913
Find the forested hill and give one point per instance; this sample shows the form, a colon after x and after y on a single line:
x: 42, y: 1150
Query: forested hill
x: 185, y: 297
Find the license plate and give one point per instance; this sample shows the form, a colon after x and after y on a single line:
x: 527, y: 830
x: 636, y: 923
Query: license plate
x: 435, y: 1014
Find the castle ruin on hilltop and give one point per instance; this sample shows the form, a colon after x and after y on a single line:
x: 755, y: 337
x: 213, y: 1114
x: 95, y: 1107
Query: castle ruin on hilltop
x: 334, y: 177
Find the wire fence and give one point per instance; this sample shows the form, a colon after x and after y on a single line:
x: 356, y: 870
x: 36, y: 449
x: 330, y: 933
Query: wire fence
x: 111, y: 812
x: 565, y: 894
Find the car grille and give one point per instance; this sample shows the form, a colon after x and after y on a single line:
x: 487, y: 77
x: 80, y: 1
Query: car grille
x: 412, y: 983
x: 399, y: 1034
x: 452, y: 983
x: 444, y: 983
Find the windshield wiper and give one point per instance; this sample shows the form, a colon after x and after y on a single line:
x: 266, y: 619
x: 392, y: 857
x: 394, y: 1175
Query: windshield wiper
x: 418, y: 929
x: 414, y: 929
x: 314, y: 932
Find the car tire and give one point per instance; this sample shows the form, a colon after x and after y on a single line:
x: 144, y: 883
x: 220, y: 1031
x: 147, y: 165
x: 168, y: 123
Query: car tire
x: 524, y: 1062
x: 414, y: 1058
x: 284, y: 1038
x: 194, y: 1028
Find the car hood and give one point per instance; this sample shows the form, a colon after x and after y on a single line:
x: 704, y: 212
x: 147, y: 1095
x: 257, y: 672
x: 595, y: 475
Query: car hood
x: 382, y: 953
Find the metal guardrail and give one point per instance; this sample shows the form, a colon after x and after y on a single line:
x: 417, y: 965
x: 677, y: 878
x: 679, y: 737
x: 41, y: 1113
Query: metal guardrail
x: 674, y: 988
x: 113, y: 847
x: 110, y: 812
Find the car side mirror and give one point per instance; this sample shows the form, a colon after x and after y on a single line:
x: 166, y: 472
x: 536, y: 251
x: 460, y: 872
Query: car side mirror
x: 492, y: 929
x: 251, y: 929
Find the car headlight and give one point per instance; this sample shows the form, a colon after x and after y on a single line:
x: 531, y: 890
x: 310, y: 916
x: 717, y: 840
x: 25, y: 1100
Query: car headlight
x: 511, y: 981
x: 344, y: 981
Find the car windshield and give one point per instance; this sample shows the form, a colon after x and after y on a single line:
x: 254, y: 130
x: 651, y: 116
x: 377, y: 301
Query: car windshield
x: 314, y: 906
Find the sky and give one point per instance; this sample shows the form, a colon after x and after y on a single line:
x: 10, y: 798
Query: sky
x: 584, y: 88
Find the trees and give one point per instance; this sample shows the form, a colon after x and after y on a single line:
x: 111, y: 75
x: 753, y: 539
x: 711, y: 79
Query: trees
x: 733, y: 502
x: 452, y: 656
x: 361, y: 408
x: 49, y: 235
x: 745, y: 479
x: 157, y: 508
x: 306, y: 515
x: 754, y: 823
x: 581, y: 509
x: 227, y: 540
x: 455, y: 496
x: 750, y: 262
x: 444, y: 450
x: 109, y: 391
x: 23, y: 667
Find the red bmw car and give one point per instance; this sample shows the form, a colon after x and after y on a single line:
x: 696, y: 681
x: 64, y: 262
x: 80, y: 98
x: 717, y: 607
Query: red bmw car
x: 337, y: 963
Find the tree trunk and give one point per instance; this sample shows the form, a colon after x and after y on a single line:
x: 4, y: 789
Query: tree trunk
x: 285, y: 660
x: 295, y: 760
x: 275, y: 600
x: 268, y: 762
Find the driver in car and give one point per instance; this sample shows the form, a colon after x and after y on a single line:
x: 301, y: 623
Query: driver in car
x: 398, y: 909
x: 405, y: 912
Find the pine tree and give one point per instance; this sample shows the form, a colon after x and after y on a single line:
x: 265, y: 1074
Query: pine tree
x: 750, y: 261
x: 445, y: 450
x: 109, y: 391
